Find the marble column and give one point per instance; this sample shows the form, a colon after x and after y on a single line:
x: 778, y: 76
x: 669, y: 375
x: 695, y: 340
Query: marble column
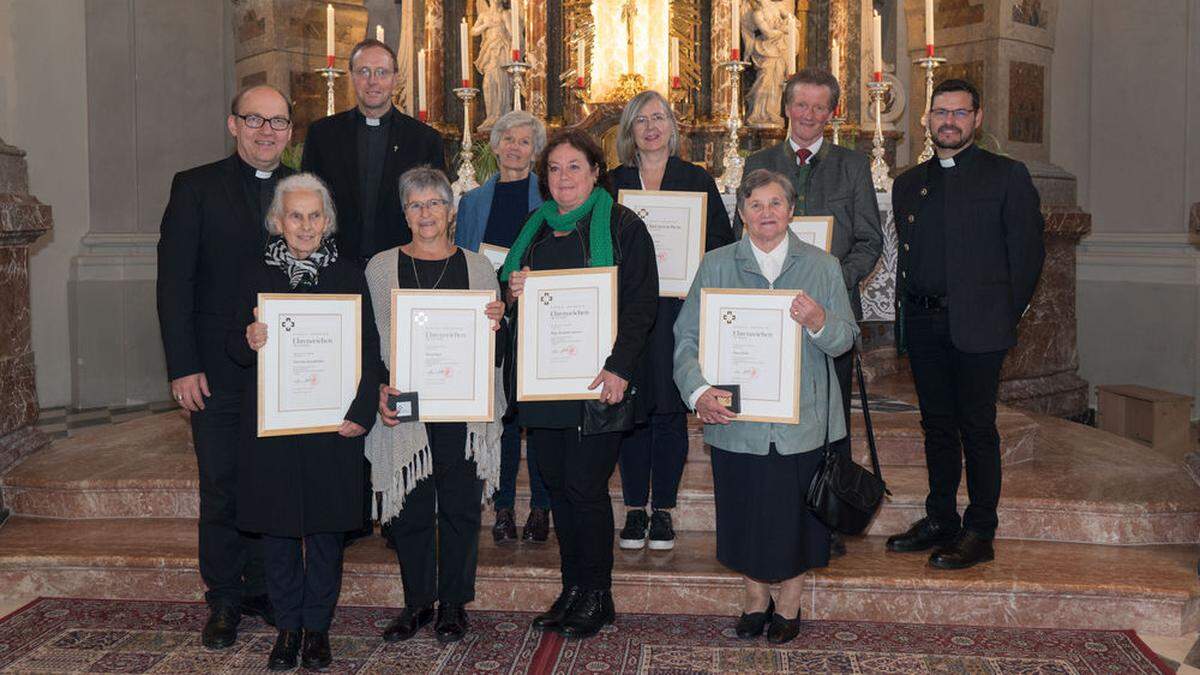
x: 23, y: 219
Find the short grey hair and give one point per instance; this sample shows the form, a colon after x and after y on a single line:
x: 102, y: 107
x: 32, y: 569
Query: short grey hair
x: 307, y: 182
x: 425, y: 177
x: 520, y: 118
x: 762, y: 178
x: 626, y: 145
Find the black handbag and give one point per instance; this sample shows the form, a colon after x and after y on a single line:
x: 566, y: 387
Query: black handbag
x: 844, y: 495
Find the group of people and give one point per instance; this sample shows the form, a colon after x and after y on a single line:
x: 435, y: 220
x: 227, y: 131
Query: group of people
x: 372, y: 211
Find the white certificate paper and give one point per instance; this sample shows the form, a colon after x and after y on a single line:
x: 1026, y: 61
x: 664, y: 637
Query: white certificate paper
x: 814, y: 230
x: 444, y: 349
x: 677, y: 222
x: 309, y: 368
x: 748, y: 338
x: 568, y: 323
x: 494, y: 254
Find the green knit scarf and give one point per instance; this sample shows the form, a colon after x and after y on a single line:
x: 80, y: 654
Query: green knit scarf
x: 600, y: 204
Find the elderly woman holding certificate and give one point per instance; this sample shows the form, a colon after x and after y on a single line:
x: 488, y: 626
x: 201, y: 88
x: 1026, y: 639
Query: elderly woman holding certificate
x: 489, y: 218
x: 580, y: 226
x: 302, y: 492
x: 653, y: 454
x: 432, y: 474
x: 762, y: 470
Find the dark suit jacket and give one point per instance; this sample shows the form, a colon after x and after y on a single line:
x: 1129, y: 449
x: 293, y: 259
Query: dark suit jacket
x: 331, y: 152
x: 207, y: 233
x: 684, y: 176
x: 994, y: 247
x: 839, y: 185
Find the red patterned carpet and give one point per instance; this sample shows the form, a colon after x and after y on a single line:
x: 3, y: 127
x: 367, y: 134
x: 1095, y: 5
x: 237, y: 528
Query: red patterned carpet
x: 54, y: 635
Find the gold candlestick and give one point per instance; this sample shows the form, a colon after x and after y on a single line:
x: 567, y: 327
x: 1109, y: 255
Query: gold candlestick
x: 879, y: 167
x: 732, y: 178
x: 466, y: 165
x: 929, y: 63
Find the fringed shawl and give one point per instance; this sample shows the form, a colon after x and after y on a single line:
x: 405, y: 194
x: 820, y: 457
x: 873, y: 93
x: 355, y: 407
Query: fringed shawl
x: 400, y: 455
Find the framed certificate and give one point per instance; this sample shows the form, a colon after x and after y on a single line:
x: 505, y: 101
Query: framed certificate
x: 567, y: 325
x: 443, y: 348
x: 748, y: 338
x: 814, y: 230
x: 308, y: 371
x: 677, y: 222
x: 494, y: 254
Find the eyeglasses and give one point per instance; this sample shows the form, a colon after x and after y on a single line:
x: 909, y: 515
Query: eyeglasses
x: 365, y: 73
x: 757, y: 206
x: 657, y: 118
x: 256, y: 121
x: 817, y: 110
x: 958, y: 113
x: 431, y: 204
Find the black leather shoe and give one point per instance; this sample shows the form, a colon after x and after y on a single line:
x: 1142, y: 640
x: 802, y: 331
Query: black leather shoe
x: 537, y: 526
x: 837, y: 547
x: 451, y: 623
x: 316, y: 655
x: 552, y: 618
x: 260, y: 606
x: 593, y: 611
x: 922, y: 536
x: 505, y: 528
x: 752, y: 625
x: 407, y: 624
x: 220, y: 631
x: 783, y: 630
x: 967, y: 550
x: 283, y: 654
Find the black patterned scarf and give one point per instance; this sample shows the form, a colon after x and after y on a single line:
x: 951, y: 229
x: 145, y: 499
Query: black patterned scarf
x: 301, y: 273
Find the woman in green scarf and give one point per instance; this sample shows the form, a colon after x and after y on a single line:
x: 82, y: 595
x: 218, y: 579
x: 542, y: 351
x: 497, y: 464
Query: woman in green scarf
x: 579, y: 225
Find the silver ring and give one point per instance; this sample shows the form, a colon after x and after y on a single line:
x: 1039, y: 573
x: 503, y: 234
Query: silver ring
x: 179, y: 397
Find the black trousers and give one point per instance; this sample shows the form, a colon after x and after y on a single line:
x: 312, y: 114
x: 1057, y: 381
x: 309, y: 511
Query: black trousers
x: 230, y: 561
x: 304, y: 580
x: 576, y: 470
x: 957, y: 395
x: 436, y: 535
x: 653, y: 455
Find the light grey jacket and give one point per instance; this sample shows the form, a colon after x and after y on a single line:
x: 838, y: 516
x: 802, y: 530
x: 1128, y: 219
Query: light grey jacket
x: 818, y: 274
x: 839, y: 185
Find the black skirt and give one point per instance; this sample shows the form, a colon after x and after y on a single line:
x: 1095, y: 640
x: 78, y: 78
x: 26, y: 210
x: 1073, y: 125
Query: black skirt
x: 765, y: 530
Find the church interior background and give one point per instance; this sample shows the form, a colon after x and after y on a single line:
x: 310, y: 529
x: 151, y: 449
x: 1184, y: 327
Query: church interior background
x: 103, y: 100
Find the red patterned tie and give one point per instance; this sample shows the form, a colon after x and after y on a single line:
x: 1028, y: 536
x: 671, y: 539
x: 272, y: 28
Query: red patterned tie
x: 803, y: 154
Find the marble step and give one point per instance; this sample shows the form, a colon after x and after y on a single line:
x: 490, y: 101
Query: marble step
x: 1033, y: 584
x: 1083, y: 485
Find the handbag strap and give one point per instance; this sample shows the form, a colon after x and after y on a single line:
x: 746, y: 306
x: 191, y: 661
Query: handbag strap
x: 862, y: 393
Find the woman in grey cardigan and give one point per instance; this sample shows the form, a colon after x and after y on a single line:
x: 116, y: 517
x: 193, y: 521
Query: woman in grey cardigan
x: 432, y: 475
x: 761, y: 471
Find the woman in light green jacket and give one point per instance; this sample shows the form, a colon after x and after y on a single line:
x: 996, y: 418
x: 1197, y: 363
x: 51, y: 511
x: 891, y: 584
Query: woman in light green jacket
x: 761, y: 471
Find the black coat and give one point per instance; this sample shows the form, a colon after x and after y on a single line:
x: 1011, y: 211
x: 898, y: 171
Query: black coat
x: 654, y: 377
x: 291, y: 486
x: 331, y: 152
x: 208, y: 232
x: 994, y: 247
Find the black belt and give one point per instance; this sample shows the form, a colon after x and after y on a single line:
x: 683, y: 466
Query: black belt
x: 927, y: 302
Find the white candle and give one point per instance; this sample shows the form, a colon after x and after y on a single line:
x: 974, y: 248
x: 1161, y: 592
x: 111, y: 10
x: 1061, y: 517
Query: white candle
x: 675, y: 62
x: 421, y: 112
x: 329, y: 34
x: 929, y: 27
x: 515, y: 29
x: 580, y: 63
x: 735, y: 35
x: 877, y: 44
x: 379, y: 33
x: 835, y: 67
x: 791, y: 59
x: 464, y: 50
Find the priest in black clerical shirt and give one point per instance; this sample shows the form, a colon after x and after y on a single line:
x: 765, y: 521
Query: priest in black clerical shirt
x: 360, y: 154
x: 212, y: 223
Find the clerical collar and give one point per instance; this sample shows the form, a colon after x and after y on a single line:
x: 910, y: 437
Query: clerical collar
x: 946, y: 163
x: 259, y: 173
x: 963, y: 156
x: 375, y: 121
x: 248, y: 170
x: 816, y: 146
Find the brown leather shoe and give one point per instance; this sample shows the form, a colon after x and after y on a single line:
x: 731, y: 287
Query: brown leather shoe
x: 967, y: 550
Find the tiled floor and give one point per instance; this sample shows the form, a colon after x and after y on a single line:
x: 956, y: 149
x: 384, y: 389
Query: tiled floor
x: 60, y: 422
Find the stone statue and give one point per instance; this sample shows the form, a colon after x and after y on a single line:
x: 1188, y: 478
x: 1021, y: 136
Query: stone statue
x: 765, y: 26
x: 495, y: 52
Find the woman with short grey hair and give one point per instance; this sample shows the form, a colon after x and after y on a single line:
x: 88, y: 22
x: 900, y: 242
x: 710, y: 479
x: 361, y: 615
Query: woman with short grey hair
x: 301, y: 181
x: 432, y: 475
x: 493, y: 213
x: 653, y: 454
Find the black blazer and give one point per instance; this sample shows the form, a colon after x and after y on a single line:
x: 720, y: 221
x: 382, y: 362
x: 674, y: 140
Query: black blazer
x: 684, y: 176
x: 994, y: 247
x: 207, y: 232
x: 331, y: 152
x: 291, y: 486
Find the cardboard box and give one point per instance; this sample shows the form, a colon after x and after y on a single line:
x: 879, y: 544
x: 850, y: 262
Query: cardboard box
x: 1159, y: 419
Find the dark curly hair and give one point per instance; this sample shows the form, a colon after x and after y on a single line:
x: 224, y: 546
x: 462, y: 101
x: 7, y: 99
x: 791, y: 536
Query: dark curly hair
x: 582, y: 142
